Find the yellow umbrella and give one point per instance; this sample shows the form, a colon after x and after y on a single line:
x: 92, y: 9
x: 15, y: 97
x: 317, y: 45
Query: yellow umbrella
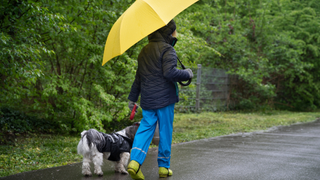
x: 139, y: 20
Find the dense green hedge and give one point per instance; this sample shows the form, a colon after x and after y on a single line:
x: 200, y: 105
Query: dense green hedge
x: 15, y: 123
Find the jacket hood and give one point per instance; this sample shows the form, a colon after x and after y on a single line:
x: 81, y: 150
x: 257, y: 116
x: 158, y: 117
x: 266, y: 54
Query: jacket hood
x: 163, y: 33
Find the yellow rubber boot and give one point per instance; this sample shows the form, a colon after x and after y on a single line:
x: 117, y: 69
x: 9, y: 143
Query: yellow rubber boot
x: 135, y: 171
x: 164, y: 172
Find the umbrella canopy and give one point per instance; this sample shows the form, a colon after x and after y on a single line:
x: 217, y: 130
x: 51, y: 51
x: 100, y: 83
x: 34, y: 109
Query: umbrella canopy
x: 141, y: 19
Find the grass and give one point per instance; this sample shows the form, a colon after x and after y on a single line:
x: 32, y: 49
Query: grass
x: 188, y: 127
x: 43, y: 151
x: 38, y: 152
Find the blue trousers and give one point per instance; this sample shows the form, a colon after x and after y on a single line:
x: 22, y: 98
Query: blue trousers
x: 164, y: 116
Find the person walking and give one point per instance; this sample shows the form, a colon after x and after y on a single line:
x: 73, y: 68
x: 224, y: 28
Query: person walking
x: 156, y: 81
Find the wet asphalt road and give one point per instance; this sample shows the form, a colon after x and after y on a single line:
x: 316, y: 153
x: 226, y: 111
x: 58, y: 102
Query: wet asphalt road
x: 284, y: 153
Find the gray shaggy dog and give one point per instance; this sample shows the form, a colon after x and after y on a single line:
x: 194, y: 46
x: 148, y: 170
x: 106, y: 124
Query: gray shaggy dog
x: 95, y: 146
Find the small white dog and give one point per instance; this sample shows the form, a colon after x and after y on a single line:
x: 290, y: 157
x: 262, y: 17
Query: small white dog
x: 95, y: 146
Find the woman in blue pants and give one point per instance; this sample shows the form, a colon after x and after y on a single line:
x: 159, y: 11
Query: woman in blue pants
x: 156, y: 82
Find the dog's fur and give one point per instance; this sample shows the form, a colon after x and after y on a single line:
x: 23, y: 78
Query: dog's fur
x: 91, y: 141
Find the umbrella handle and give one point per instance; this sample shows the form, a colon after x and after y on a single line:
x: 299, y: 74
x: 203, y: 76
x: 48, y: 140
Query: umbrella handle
x: 189, y: 81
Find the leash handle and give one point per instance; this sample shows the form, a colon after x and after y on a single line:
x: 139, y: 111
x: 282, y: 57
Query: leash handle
x: 189, y: 81
x: 174, y: 41
x: 133, y: 112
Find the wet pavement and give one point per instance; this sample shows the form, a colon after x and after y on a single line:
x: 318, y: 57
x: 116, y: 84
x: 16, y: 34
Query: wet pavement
x: 291, y: 152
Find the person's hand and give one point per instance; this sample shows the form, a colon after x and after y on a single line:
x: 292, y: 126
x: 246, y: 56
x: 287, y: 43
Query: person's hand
x: 190, y: 73
x: 131, y: 105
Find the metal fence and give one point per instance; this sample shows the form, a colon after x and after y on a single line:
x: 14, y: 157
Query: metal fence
x: 209, y: 91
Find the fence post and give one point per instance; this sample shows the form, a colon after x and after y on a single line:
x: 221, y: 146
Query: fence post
x: 198, y: 88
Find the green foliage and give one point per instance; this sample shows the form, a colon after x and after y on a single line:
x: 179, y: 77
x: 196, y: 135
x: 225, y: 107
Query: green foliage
x: 56, y: 73
x: 23, y: 26
x: 301, y: 90
x: 272, y: 46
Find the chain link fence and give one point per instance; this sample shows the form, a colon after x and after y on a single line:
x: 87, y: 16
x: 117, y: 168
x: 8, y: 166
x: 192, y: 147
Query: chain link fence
x: 209, y: 91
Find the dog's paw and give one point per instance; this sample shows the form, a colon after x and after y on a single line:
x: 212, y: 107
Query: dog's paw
x: 124, y: 172
x: 99, y: 173
x: 120, y: 170
x: 87, y: 174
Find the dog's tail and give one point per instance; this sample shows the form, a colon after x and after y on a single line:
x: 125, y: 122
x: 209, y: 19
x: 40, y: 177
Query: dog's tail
x: 83, y: 147
x: 88, y: 139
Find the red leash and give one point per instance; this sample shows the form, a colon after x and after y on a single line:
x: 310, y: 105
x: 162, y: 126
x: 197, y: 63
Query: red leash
x: 133, y: 112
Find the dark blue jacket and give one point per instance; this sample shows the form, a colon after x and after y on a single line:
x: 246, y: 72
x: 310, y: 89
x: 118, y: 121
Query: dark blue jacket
x: 157, y: 72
